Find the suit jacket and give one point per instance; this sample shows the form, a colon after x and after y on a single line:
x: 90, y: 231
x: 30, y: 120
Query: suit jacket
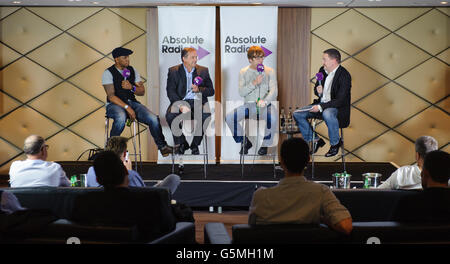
x: 125, y: 207
x: 176, y: 83
x: 340, y: 94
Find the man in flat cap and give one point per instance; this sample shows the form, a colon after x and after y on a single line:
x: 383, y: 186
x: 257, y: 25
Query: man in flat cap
x: 121, y: 100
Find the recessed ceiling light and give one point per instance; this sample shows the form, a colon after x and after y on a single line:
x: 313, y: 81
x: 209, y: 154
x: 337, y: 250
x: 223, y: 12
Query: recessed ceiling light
x: 444, y: 3
x: 95, y: 3
x: 16, y: 2
x: 340, y: 3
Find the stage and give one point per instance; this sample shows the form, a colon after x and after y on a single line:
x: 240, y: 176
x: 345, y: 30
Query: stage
x: 224, y: 185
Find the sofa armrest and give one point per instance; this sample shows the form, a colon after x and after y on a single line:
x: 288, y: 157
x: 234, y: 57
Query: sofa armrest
x: 184, y: 233
x: 216, y: 233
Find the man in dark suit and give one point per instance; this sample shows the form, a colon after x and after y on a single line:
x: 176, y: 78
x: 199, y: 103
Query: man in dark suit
x: 433, y: 203
x: 188, y: 96
x: 120, y: 205
x: 333, y: 104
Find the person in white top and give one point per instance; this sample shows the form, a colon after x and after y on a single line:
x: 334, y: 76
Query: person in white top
x: 408, y: 177
x: 35, y: 171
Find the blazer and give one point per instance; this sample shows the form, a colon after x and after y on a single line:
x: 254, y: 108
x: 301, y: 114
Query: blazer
x: 340, y: 94
x: 176, y: 83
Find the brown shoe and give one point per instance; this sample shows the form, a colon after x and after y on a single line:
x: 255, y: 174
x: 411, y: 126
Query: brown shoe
x: 166, y: 150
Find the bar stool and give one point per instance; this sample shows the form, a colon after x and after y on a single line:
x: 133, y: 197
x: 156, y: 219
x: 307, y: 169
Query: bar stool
x: 313, y: 121
x: 242, y: 156
x: 135, y: 134
x: 204, y: 154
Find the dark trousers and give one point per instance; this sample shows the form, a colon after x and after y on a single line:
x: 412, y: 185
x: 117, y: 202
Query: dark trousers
x: 175, y: 117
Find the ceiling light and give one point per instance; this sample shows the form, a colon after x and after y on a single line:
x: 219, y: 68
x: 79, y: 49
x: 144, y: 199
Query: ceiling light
x: 95, y: 3
x: 444, y: 3
x: 16, y: 2
x: 340, y: 3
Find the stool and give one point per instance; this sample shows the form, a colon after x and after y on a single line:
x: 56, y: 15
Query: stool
x: 313, y: 121
x: 204, y: 154
x: 242, y: 156
x: 133, y: 132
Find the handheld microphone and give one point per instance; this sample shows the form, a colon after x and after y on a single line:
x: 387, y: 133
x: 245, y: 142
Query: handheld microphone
x: 126, y: 73
x: 319, y: 78
x: 260, y: 68
x: 198, y: 80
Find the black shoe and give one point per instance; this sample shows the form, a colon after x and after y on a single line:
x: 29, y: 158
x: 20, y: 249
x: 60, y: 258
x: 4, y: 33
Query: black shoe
x: 182, y: 148
x: 194, y: 149
x: 318, y: 144
x: 262, y: 151
x: 334, y: 149
x: 166, y: 150
x: 248, y: 145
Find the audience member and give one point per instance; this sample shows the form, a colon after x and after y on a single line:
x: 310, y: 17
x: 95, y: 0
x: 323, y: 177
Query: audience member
x: 117, y: 204
x: 433, y: 203
x: 35, y: 171
x: 295, y: 199
x: 408, y: 177
x: 118, y: 145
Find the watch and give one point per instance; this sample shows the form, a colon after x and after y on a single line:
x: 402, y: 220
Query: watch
x: 125, y: 107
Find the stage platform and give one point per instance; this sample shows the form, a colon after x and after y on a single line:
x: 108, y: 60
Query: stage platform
x: 224, y: 186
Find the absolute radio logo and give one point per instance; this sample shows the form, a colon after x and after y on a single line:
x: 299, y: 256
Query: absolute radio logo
x: 234, y: 44
x: 171, y: 44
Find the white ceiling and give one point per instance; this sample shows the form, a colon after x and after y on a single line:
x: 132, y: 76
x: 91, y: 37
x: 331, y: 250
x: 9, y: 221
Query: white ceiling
x: 298, y: 3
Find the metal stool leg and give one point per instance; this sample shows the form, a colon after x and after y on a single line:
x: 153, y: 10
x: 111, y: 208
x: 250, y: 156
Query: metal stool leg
x: 343, y: 150
x: 242, y: 157
x: 205, y: 153
x: 312, y: 156
x: 139, y: 145
x: 134, y: 144
x: 106, y: 129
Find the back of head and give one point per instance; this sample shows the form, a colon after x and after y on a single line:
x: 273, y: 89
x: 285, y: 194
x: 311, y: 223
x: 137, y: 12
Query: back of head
x: 425, y: 144
x: 294, y: 153
x: 33, y: 144
x: 109, y: 169
x: 437, y: 163
x: 117, y: 145
x: 255, y: 51
x: 334, y: 54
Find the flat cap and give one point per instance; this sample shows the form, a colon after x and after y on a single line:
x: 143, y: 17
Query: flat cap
x: 117, y: 52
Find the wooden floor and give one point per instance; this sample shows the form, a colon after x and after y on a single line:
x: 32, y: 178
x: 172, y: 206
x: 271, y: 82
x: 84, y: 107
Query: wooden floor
x: 228, y: 218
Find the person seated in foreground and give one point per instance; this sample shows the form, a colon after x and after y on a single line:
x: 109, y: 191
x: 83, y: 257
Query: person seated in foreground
x: 118, y: 204
x: 295, y: 199
x: 408, y: 177
x: 35, y: 171
x: 118, y: 145
x: 433, y: 203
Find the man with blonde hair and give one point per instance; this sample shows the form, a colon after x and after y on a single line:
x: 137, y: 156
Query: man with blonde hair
x: 35, y: 171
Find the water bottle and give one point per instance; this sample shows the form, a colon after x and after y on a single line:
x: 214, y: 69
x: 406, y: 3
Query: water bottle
x: 282, y: 120
x: 73, y: 181
x: 128, y: 122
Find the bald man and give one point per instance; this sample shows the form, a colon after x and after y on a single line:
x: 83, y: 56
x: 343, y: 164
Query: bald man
x: 35, y: 171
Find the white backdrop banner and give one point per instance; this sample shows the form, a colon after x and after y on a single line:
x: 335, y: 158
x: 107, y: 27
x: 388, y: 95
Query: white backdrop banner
x: 239, y: 31
x: 181, y: 27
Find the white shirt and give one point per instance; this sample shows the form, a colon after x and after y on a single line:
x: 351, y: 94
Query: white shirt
x: 35, y: 173
x: 326, y: 97
x: 406, y: 177
x: 107, y: 77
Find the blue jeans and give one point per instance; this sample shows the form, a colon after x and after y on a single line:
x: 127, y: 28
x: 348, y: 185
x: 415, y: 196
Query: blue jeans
x: 143, y: 115
x: 170, y: 182
x: 248, y: 111
x: 329, y: 115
